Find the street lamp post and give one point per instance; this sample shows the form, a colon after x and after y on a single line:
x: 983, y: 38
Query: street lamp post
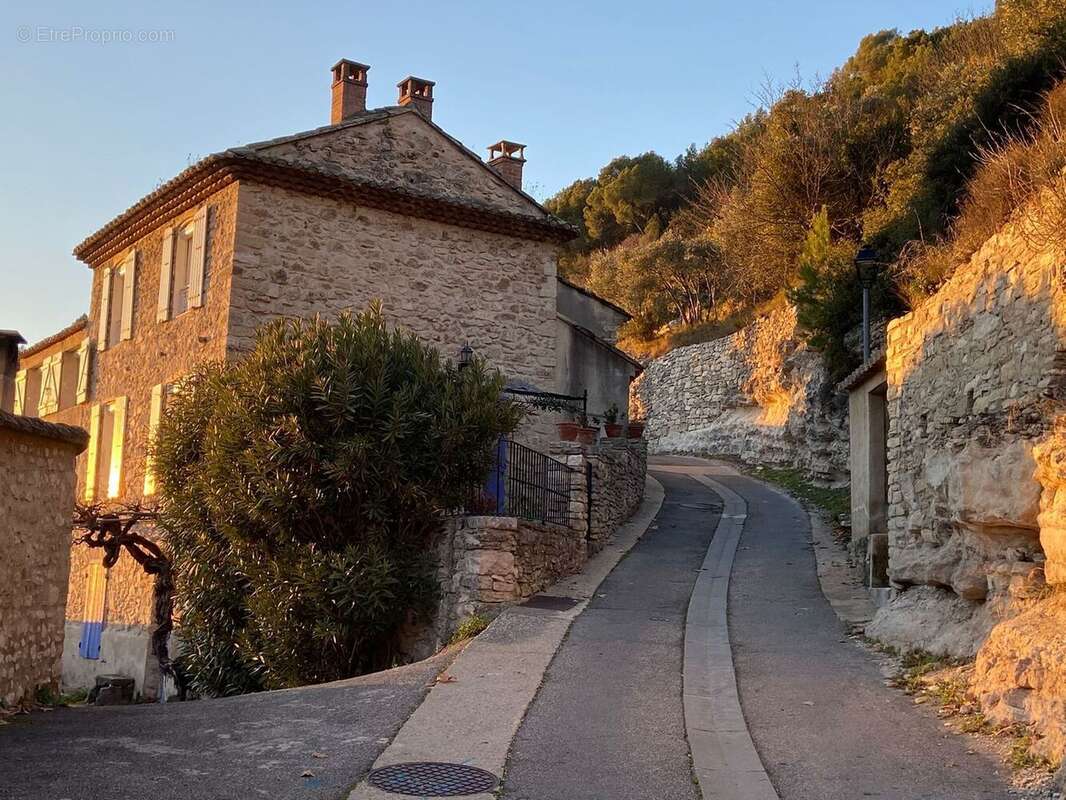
x: 866, y: 265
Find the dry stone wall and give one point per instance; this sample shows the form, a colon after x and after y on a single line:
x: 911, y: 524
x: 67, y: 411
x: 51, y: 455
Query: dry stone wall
x: 760, y: 395
x: 36, y: 505
x: 976, y: 484
x: 487, y: 563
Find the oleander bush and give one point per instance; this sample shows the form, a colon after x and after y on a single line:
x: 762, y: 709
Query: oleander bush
x: 302, y: 489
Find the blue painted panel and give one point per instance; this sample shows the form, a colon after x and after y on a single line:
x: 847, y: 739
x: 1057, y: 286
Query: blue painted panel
x: 89, y: 646
x: 496, y: 485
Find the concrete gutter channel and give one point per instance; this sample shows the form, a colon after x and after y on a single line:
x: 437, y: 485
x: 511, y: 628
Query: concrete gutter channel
x: 474, y: 711
x: 724, y: 758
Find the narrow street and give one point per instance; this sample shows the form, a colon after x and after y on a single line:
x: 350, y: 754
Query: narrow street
x: 608, y: 721
x: 608, y: 718
x: 824, y: 723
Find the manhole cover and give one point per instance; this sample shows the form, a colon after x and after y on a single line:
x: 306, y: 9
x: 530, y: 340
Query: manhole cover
x: 550, y: 602
x: 432, y: 779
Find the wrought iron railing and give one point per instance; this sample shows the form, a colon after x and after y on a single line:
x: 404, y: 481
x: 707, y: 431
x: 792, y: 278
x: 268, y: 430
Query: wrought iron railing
x: 550, y: 401
x: 528, y: 484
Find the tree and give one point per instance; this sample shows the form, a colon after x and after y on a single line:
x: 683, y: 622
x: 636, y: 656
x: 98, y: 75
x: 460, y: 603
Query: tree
x: 117, y: 529
x: 303, y: 489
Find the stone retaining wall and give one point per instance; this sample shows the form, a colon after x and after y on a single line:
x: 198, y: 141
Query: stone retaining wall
x: 760, y: 395
x: 976, y: 484
x: 487, y: 563
x: 36, y: 506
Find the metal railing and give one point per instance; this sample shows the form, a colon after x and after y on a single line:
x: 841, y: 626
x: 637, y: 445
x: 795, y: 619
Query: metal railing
x: 528, y: 484
x: 550, y: 401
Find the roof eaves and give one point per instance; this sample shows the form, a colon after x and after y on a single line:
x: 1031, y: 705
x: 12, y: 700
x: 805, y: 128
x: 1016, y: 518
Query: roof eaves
x: 863, y: 371
x: 594, y: 296
x: 79, y: 324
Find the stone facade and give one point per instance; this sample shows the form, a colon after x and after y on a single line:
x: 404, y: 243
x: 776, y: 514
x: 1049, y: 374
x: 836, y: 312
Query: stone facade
x: 36, y: 505
x: 299, y: 255
x: 760, y: 395
x: 976, y: 379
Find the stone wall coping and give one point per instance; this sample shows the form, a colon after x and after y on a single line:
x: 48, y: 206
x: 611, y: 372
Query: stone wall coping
x: 32, y: 426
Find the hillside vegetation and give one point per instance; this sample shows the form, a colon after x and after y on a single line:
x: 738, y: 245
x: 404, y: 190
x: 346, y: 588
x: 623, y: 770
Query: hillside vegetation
x: 920, y: 145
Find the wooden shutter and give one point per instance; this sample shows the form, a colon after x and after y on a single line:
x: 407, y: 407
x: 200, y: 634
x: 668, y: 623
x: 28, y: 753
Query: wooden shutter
x: 51, y: 374
x: 166, y: 273
x: 82, y: 393
x: 118, y: 436
x: 20, y: 391
x: 105, y: 309
x: 197, y: 258
x: 155, y: 411
x: 92, y: 626
x: 129, y: 279
x: 90, y: 453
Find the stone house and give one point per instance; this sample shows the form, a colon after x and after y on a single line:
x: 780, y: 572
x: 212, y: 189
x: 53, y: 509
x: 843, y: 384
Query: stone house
x: 379, y: 204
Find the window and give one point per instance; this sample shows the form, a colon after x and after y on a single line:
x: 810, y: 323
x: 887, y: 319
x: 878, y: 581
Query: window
x: 59, y: 382
x: 115, y: 312
x: 103, y: 463
x: 181, y: 274
x: 158, y: 403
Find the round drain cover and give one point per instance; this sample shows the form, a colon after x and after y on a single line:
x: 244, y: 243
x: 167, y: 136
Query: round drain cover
x: 432, y: 779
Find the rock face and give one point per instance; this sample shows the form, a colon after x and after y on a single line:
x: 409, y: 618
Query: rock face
x: 977, y: 478
x: 759, y: 394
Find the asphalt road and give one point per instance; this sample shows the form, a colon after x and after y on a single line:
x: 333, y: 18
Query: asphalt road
x: 256, y: 745
x: 824, y: 723
x: 607, y: 723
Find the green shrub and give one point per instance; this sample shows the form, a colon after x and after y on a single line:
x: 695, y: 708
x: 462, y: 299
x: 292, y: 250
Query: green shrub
x: 302, y: 490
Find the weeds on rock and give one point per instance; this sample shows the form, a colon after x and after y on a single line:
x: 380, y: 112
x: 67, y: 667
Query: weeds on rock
x: 470, y: 627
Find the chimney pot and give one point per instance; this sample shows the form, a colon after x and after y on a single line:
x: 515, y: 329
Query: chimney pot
x: 507, y: 158
x: 348, y: 90
x: 417, y: 92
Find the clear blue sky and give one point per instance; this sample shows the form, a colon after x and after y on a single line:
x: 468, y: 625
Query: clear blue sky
x: 88, y: 127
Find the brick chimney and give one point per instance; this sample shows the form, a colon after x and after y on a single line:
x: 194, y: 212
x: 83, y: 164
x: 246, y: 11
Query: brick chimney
x: 9, y: 365
x: 417, y: 92
x: 349, y: 90
x: 507, y: 159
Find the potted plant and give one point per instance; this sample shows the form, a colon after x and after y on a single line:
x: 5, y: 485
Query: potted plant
x: 611, y: 423
x: 636, y: 428
x: 568, y: 430
x: 587, y: 430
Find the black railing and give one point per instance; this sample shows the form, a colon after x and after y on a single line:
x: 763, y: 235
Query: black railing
x: 528, y: 484
x: 550, y: 401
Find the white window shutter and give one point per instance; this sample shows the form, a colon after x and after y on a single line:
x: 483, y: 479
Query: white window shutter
x: 20, y: 391
x: 166, y: 273
x: 197, y: 259
x: 82, y: 393
x: 118, y: 436
x: 51, y: 374
x: 155, y: 411
x: 90, y: 453
x: 129, y: 280
x: 105, y: 309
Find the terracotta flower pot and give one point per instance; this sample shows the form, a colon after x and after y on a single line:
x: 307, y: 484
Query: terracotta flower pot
x: 568, y: 431
x: 587, y: 435
x: 636, y: 430
x: 614, y: 430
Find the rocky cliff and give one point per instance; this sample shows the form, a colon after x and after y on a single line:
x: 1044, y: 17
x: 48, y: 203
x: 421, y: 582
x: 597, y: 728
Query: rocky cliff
x: 760, y: 395
x: 977, y: 478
